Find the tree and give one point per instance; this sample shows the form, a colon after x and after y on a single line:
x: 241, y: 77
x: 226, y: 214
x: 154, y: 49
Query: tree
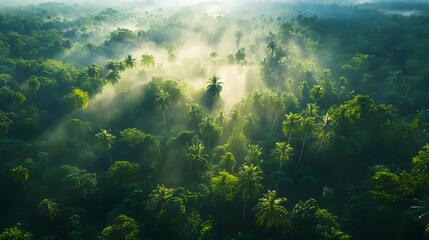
x: 34, y: 84
x: 317, y: 93
x: 240, y: 56
x: 282, y: 154
x: 130, y: 61
x: 248, y: 184
x: 158, y: 198
x: 79, y: 98
x: 290, y: 124
x: 93, y: 71
x: 254, y: 153
x: 20, y: 174
x: 268, y: 211
x: 106, y: 140
x: 79, y: 181
x: 121, y: 173
x: 113, y: 76
x: 195, y: 115
x: 272, y: 46
x: 5, y: 122
x: 214, y: 87
x: 227, y: 162
x: 307, y: 124
x: 49, y: 208
x: 196, y: 158
x: 238, y: 36
x: 171, y: 52
x: 208, y: 128
x: 15, y: 233
x: 163, y: 101
x: 421, y: 209
x: 224, y: 186
x: 148, y: 60
x: 124, y: 228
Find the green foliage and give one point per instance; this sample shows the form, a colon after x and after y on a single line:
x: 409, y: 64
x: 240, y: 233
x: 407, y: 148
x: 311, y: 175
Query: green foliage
x: 268, y: 211
x: 78, y: 98
x: 249, y: 182
x: 224, y: 186
x: 15, y: 233
x: 124, y: 227
x: 79, y: 181
x: 49, y: 208
x: 122, y: 173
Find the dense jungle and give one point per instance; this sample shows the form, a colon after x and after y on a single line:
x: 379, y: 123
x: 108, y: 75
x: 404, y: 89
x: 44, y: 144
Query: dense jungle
x: 236, y: 120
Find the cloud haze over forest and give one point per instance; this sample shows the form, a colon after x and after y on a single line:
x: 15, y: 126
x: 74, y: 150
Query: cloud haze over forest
x: 191, y: 2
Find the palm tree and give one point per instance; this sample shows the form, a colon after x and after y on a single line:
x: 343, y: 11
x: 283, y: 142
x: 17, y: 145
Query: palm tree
x: 268, y: 211
x: 195, y: 114
x: 48, y: 207
x: 307, y: 124
x: 214, y: 86
x: 158, y: 198
x: 20, y: 174
x: 93, y: 70
x: 248, y: 184
x: 106, y: 140
x: 238, y: 36
x: 79, y: 98
x: 272, y: 46
x: 421, y: 208
x: 163, y: 101
x: 207, y: 128
x: 130, y: 61
x: 282, y: 154
x: 113, y: 76
x: 148, y: 60
x: 196, y: 157
x: 214, y: 55
x: 289, y: 125
x: 317, y: 93
x: 254, y: 153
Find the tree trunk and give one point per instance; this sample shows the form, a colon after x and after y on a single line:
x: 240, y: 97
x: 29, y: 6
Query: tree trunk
x: 110, y: 156
x: 278, y: 175
x: 288, y: 138
x: 244, y: 213
x: 165, y: 123
x: 302, y: 149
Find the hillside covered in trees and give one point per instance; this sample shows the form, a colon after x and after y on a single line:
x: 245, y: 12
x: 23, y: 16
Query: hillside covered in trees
x: 247, y: 120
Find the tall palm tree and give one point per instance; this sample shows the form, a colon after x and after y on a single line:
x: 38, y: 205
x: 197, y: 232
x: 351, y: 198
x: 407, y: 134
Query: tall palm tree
x: 106, y: 140
x: 272, y: 46
x: 268, y: 211
x: 195, y: 115
x: 282, y: 154
x: 290, y: 124
x: 207, y: 128
x: 307, y: 124
x: 20, y: 174
x: 130, y: 61
x: 148, y: 60
x: 238, y: 36
x: 249, y: 178
x: 163, y: 101
x: 197, y: 158
x: 49, y: 208
x: 214, y: 86
x: 254, y: 153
